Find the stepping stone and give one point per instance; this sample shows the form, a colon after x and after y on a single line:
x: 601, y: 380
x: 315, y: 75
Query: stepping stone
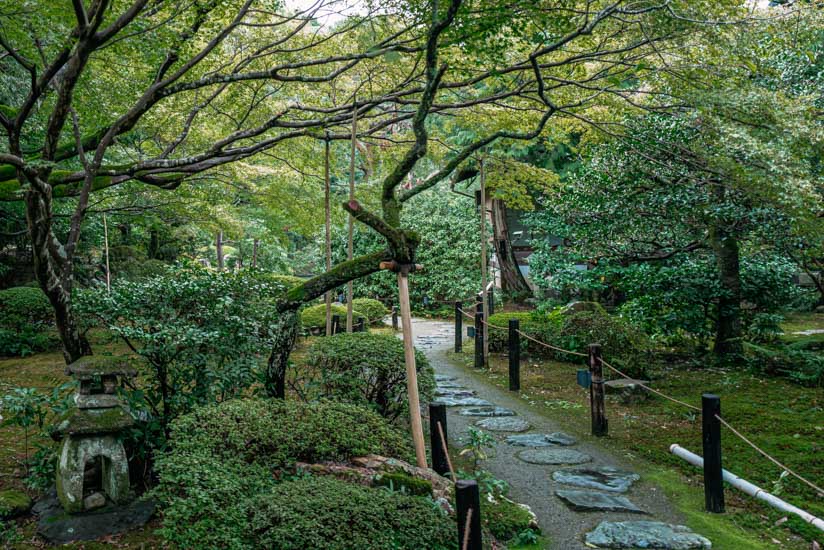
x: 604, y: 478
x: 553, y: 455
x: 591, y: 501
x: 560, y: 438
x: 456, y: 393
x: 528, y: 440
x: 645, y: 534
x: 444, y: 378
x: 463, y: 402
x: 487, y: 411
x: 449, y: 386
x: 504, y: 424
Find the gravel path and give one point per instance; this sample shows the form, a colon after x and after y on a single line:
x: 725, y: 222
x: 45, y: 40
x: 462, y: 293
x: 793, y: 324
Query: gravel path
x: 532, y: 483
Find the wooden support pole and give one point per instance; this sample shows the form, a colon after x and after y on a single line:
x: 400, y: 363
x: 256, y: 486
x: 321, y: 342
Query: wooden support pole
x: 360, y: 326
x: 437, y: 414
x: 484, y: 266
x: 394, y: 317
x: 106, y: 246
x: 491, y: 300
x: 468, y: 503
x: 711, y: 436
x: 479, y: 335
x: 411, y: 370
x: 350, y: 246
x: 596, y: 392
x: 458, y: 327
x: 327, y: 203
x: 335, y: 324
x: 514, y: 355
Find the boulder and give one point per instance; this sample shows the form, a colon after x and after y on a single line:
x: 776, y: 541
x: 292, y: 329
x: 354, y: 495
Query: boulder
x: 645, y: 534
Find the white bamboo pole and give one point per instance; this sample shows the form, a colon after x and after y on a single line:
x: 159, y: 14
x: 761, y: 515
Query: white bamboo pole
x: 327, y: 191
x: 749, y: 488
x: 106, y: 248
x: 411, y: 370
x: 350, y: 252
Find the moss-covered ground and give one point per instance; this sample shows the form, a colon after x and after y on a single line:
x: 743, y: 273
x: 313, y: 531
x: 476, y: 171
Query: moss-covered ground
x: 784, y: 419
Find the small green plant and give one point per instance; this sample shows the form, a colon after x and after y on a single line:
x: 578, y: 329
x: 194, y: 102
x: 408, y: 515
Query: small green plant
x: 524, y: 538
x: 476, y: 447
x: 765, y: 328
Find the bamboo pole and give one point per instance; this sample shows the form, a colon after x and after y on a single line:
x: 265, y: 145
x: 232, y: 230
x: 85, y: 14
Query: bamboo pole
x: 327, y: 190
x: 411, y: 370
x: 106, y: 248
x: 484, y: 267
x: 350, y: 244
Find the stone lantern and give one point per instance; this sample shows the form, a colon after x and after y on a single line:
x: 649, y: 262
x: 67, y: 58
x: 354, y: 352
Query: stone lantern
x: 90, y: 433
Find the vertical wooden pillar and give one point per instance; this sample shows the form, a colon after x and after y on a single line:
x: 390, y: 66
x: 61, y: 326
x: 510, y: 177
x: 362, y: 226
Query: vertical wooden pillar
x: 514, y: 355
x: 437, y: 414
x: 467, y: 497
x: 361, y: 325
x: 411, y: 370
x: 491, y: 299
x: 596, y: 392
x: 458, y: 327
x: 711, y: 436
x: 335, y: 324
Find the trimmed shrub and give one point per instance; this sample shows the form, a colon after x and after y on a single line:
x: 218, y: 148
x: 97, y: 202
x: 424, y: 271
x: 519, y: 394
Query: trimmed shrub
x: 315, y: 316
x: 373, y: 310
x: 222, y: 455
x: 327, y: 514
x: 539, y: 326
x: 368, y: 369
x: 25, y: 317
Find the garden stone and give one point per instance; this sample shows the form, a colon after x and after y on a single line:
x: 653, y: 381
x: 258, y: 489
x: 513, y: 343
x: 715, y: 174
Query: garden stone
x: 553, y: 455
x: 454, y: 393
x: 487, y: 411
x: 629, y: 390
x: 560, y: 438
x: 504, y: 424
x: 13, y: 503
x: 94, y: 500
x: 528, y: 440
x: 604, y: 478
x: 444, y: 378
x: 463, y: 402
x: 646, y: 534
x: 592, y: 501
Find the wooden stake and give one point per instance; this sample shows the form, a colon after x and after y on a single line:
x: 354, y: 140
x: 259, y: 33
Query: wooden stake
x: 411, y: 371
x: 327, y: 188
x: 106, y: 248
x: 350, y: 251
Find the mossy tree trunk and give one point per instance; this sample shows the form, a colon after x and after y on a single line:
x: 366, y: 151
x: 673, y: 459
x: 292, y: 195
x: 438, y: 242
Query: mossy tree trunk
x: 725, y: 246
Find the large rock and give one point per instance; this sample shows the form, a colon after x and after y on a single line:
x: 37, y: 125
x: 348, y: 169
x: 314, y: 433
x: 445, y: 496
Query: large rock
x: 592, y: 501
x: 504, y: 424
x: 14, y: 503
x: 541, y: 440
x: 553, y: 455
x: 604, y: 478
x: 454, y: 393
x: 645, y: 534
x: 487, y: 411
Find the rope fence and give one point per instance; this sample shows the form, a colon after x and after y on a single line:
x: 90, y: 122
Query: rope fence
x: 612, y: 368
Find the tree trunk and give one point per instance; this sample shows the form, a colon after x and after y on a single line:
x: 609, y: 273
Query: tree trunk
x: 154, y: 244
x: 286, y: 332
x: 512, y: 280
x: 54, y: 274
x: 728, y: 324
x: 219, y: 249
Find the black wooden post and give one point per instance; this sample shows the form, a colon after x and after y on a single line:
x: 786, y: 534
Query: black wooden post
x: 335, y: 324
x: 468, y: 498
x: 437, y: 415
x: 395, y: 317
x: 490, y: 294
x: 458, y: 327
x: 361, y: 326
x: 711, y: 436
x: 479, y: 334
x: 514, y: 355
x: 596, y: 392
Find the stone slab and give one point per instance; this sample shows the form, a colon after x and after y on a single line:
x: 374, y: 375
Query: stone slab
x: 444, y: 378
x: 504, y: 424
x: 560, y: 438
x: 541, y: 440
x: 593, y: 501
x: 604, y: 478
x: 455, y: 393
x: 553, y: 455
x: 487, y: 411
x: 464, y: 402
x: 645, y: 534
x: 58, y: 527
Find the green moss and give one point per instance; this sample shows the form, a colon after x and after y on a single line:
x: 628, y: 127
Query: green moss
x: 13, y: 503
x: 504, y: 518
x: 92, y: 421
x: 400, y: 481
